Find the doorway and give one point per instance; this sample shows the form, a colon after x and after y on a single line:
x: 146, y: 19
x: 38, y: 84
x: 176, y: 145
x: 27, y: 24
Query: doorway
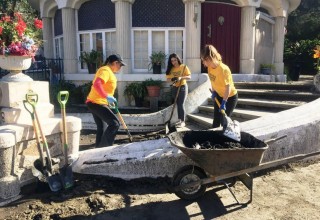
x: 220, y: 26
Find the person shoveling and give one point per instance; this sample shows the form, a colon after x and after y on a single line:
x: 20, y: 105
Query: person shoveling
x: 231, y: 128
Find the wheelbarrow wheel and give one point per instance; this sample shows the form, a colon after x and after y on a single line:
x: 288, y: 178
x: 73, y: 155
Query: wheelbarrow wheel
x: 186, y: 175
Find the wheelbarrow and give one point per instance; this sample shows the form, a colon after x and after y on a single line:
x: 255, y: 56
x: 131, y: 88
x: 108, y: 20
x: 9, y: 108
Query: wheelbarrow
x: 225, y: 162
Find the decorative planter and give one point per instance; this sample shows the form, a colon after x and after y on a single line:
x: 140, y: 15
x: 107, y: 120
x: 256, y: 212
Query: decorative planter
x: 92, y: 68
x: 156, y: 69
x: 15, y: 64
x: 266, y: 71
x: 153, y: 91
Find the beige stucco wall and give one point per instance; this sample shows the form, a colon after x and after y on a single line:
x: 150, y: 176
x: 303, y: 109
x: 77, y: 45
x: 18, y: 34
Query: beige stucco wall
x: 264, y: 44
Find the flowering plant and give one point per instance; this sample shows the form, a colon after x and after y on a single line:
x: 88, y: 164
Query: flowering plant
x: 316, y: 55
x: 18, y: 35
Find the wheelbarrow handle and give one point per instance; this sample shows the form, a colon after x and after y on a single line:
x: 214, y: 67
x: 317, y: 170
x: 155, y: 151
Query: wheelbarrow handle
x: 32, y: 99
x: 270, y: 141
x: 63, y: 98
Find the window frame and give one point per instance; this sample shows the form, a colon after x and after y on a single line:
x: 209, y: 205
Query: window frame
x: 149, y: 33
x: 91, y: 32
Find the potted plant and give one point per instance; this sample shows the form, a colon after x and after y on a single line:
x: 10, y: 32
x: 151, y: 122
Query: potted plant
x: 93, y: 59
x: 266, y: 69
x: 153, y: 87
x: 137, y: 90
x: 157, y: 59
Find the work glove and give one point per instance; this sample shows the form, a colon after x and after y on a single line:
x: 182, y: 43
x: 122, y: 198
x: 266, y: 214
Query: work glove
x: 223, y: 105
x: 174, y: 79
x: 111, y: 99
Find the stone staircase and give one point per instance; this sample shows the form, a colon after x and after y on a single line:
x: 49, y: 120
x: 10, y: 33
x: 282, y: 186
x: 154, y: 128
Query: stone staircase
x: 259, y: 99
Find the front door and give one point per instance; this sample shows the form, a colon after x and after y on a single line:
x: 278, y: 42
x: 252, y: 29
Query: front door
x: 220, y: 26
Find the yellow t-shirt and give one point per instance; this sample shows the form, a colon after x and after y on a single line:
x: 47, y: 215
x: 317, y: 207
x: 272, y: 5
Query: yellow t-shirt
x: 177, y: 72
x: 109, y: 85
x: 219, y: 78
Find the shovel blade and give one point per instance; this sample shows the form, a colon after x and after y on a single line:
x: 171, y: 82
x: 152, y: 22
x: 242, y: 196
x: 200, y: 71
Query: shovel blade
x: 170, y: 128
x: 67, y: 175
x: 231, y: 129
x: 54, y: 182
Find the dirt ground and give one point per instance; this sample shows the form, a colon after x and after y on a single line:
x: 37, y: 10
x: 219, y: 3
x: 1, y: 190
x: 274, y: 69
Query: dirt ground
x: 288, y: 192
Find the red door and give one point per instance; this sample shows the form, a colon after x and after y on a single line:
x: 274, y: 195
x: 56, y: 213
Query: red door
x: 220, y: 26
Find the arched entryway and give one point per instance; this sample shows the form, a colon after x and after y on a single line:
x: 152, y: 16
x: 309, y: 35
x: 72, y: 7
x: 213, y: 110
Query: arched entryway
x: 220, y: 26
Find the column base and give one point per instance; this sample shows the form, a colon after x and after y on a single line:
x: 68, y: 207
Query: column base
x: 9, y: 187
x: 247, y: 66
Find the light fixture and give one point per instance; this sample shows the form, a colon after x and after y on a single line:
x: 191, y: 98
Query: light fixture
x: 195, y: 13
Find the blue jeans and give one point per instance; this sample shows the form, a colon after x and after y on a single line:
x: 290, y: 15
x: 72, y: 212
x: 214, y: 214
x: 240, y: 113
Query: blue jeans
x: 230, y: 106
x: 180, y: 100
x: 107, y: 124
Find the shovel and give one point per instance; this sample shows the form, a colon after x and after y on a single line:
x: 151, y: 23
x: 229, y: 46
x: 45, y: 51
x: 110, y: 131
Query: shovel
x: 168, y: 127
x: 172, y: 128
x: 231, y: 129
x: 114, y: 107
x: 66, y: 171
x: 45, y: 164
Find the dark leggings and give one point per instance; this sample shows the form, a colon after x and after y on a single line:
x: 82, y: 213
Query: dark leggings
x: 181, y: 100
x: 230, y: 106
x: 107, y: 124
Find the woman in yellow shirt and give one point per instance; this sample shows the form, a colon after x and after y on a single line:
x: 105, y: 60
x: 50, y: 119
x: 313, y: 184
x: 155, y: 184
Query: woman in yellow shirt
x: 223, y: 88
x: 101, y: 96
x: 178, y: 73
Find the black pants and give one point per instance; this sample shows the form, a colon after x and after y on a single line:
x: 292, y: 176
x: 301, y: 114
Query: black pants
x: 107, y: 124
x: 180, y: 100
x: 230, y: 106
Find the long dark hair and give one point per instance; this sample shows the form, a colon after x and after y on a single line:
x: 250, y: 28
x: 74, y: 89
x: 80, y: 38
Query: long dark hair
x: 169, y: 66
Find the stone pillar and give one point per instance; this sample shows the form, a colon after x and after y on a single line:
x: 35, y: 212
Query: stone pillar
x: 247, y: 40
x: 123, y: 33
x: 279, y: 45
x: 9, y: 184
x: 193, y: 34
x: 47, y: 38
x: 69, y: 41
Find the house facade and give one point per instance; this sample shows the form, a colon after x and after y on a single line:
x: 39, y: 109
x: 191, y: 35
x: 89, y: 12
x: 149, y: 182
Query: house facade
x: 246, y: 32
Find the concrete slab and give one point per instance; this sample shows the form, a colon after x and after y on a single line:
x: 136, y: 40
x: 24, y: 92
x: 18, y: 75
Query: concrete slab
x: 157, y: 158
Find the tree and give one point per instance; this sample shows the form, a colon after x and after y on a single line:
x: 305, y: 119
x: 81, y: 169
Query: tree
x: 303, y: 34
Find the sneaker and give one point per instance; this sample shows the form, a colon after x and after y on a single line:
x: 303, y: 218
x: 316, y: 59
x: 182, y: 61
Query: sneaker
x: 183, y: 124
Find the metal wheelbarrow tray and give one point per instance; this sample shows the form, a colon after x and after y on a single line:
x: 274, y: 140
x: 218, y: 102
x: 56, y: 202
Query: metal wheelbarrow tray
x: 220, y: 164
x: 220, y: 160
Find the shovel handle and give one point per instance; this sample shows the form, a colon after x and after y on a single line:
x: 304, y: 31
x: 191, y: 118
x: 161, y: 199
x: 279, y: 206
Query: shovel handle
x: 115, y: 107
x: 32, y: 99
x: 63, y: 98
x: 218, y: 103
x: 30, y: 110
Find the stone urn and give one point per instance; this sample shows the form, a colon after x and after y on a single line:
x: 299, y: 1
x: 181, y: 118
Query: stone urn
x: 15, y: 65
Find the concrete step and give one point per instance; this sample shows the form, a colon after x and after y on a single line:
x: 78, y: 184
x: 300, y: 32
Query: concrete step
x: 266, y: 104
x: 239, y: 113
x: 306, y: 86
x: 204, y: 121
x: 284, y: 95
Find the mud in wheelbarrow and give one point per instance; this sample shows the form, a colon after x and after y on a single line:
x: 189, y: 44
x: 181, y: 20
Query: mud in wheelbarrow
x: 215, y: 155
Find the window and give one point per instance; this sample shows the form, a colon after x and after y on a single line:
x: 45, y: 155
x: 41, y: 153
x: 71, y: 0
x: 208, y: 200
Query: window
x: 147, y: 41
x: 110, y: 43
x: 58, y: 44
x: 99, y: 41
